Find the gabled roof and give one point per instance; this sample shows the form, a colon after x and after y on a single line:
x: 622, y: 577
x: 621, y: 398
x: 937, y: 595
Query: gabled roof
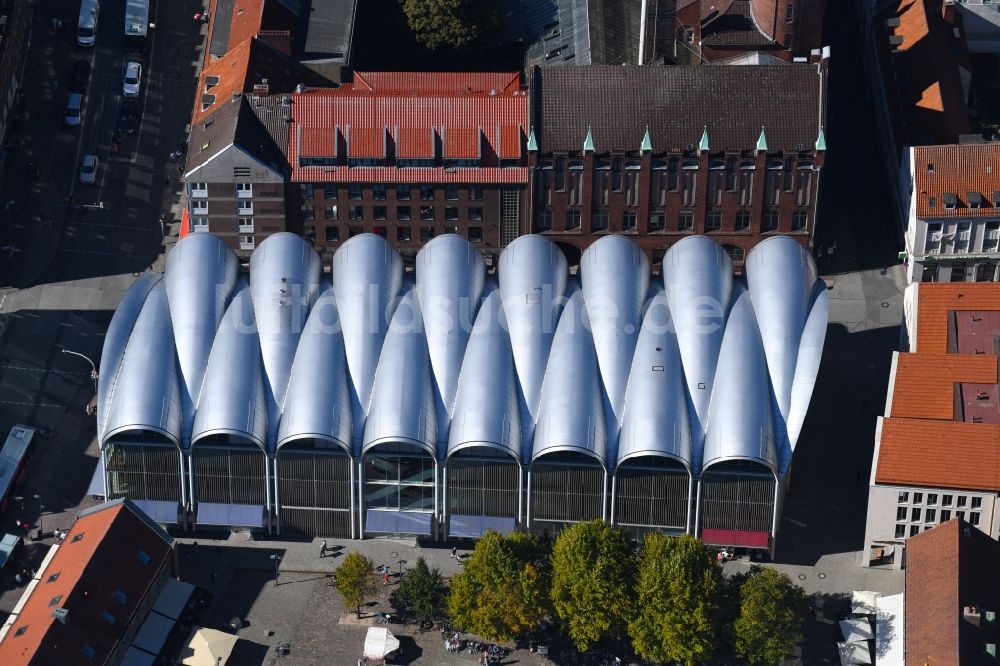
x: 958, y: 169
x: 100, y: 556
x: 948, y: 569
x: 678, y: 103
x: 255, y: 126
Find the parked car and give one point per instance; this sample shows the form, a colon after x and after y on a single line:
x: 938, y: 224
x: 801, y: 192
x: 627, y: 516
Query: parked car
x: 74, y: 110
x: 81, y: 77
x: 8, y: 546
x: 126, y: 118
x: 131, y: 79
x: 88, y: 170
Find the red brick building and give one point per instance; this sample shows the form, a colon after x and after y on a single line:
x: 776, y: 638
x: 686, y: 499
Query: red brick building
x: 410, y: 156
x: 666, y: 152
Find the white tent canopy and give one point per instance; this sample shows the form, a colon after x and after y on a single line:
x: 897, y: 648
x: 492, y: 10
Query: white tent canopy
x: 889, y: 630
x: 207, y: 647
x: 863, y: 602
x: 380, y: 643
x: 856, y: 630
x: 854, y: 653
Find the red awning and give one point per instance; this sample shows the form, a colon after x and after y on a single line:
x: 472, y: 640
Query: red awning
x: 185, y: 224
x: 737, y: 538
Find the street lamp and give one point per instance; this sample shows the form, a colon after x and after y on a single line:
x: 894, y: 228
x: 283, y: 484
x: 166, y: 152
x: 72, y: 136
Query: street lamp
x: 93, y: 368
x: 277, y: 560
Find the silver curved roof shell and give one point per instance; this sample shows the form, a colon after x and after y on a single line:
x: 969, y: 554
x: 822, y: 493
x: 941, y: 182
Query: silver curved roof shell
x: 615, y: 276
x: 367, y: 274
x: 232, y: 398
x: 317, y: 403
x: 740, y: 419
x: 486, y: 403
x: 533, y: 273
x: 200, y: 274
x: 450, y: 276
x: 698, y: 279
x: 571, y: 409
x: 284, y: 279
x: 116, y: 341
x: 402, y: 405
x: 145, y: 392
x: 655, y: 421
x: 807, y: 367
x: 781, y: 277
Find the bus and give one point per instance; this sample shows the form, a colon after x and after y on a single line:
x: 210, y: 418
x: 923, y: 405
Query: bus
x: 86, y: 25
x: 136, y: 22
x: 13, y: 456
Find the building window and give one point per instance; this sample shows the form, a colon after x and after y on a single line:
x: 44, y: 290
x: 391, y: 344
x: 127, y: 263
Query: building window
x: 199, y: 224
x: 931, y: 516
x: 903, y: 497
x: 945, y: 500
x: 963, y: 234
x: 632, y: 174
x: 543, y: 176
x: 403, y: 234
x: 475, y: 234
x: 544, y: 220
x: 772, y: 183
x: 914, y: 530
x: 451, y: 212
x: 332, y: 233
x: 476, y: 213
x: 799, y: 218
x: 402, y: 213
x: 713, y: 220
x: 745, y: 196
x: 475, y: 192
x: 685, y: 220
x: 244, y: 190
x: 789, y: 13
x: 307, y: 212
x: 602, y: 183
x: 426, y: 234
x: 736, y: 253
x: 974, y: 519
x: 20, y: 630
x: 991, y: 236
x: 770, y: 221
x: 307, y: 190
x: 934, y: 236
x: 932, y: 499
x: 330, y: 212
x: 918, y: 498
x: 427, y: 213
x: 629, y: 220
x: 378, y: 192
x: 689, y: 182
x: 575, y: 189
x: 54, y: 600
x: 572, y: 219
x: 915, y: 514
x: 402, y: 192
x: 716, y: 178
x: 329, y: 191
x: 945, y: 515
x: 901, y: 513
x: 244, y: 208
x: 355, y: 212
x: 198, y: 190
x: 199, y: 207
x: 961, y: 501
x: 803, y: 183
x: 657, y: 220
x: 742, y: 220
x: 54, y: 577
x: 378, y: 212
x: 427, y: 193
x: 355, y: 191
x: 246, y: 242
x: 960, y: 514
x: 787, y: 43
x: 309, y: 233
x: 977, y: 503
x: 599, y: 221
x: 900, y: 531
x: 451, y: 192
x: 354, y: 230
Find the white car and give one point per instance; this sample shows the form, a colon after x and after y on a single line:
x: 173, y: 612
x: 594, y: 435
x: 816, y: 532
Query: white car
x: 130, y: 82
x: 88, y: 170
x: 74, y: 110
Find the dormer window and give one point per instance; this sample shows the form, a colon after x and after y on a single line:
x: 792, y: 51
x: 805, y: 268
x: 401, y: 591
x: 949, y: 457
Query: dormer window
x: 950, y: 200
x: 211, y: 82
x: 975, y: 199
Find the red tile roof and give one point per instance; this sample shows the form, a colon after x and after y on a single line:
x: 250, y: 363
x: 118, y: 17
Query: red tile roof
x: 939, y: 454
x: 936, y: 300
x: 407, y: 108
x: 319, y: 141
x: 99, y: 556
x: 958, y: 169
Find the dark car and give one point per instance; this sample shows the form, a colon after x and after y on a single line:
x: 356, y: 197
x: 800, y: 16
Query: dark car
x: 81, y: 76
x: 126, y: 118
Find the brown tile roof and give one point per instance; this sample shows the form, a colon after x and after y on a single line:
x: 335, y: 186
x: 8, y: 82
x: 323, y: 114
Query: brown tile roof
x: 958, y: 169
x: 678, y: 103
x: 99, y: 556
x: 936, y: 300
x: 939, y: 454
x: 948, y: 569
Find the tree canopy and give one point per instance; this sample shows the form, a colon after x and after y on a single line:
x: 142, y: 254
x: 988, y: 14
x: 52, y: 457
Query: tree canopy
x: 455, y: 23
x: 421, y: 592
x: 355, y: 579
x: 677, y: 593
x: 592, y: 571
x: 501, y: 593
x: 772, y: 612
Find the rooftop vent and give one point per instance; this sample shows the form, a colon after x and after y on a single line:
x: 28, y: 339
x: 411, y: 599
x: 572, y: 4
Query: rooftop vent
x: 261, y: 88
x: 61, y: 614
x: 300, y: 88
x: 286, y: 101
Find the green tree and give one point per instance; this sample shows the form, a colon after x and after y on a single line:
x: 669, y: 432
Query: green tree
x: 677, y: 591
x: 421, y: 592
x: 501, y: 592
x: 772, y: 612
x: 592, y: 572
x: 454, y: 23
x: 355, y: 579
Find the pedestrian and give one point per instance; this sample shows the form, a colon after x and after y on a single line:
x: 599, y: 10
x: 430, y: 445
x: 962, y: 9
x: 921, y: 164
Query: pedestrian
x: 454, y: 552
x: 322, y: 548
x: 385, y: 576
x: 197, y: 17
x: 18, y: 579
x: 204, y: 17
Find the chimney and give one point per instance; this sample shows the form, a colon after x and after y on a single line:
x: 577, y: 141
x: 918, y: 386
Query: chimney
x: 61, y: 614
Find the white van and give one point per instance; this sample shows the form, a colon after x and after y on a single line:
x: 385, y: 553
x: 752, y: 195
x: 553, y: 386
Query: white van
x: 86, y: 26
